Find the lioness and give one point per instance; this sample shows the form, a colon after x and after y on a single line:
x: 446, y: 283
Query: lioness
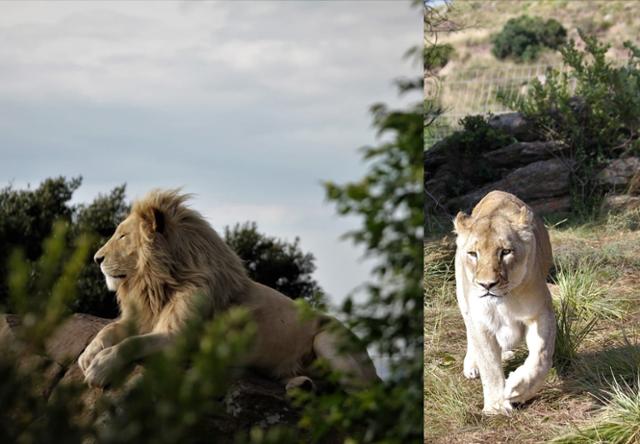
x: 502, y: 259
x: 168, y: 266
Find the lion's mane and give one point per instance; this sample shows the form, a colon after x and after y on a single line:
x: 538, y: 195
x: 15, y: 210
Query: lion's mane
x: 179, y: 252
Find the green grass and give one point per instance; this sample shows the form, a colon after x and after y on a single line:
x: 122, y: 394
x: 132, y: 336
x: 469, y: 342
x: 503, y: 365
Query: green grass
x: 619, y: 422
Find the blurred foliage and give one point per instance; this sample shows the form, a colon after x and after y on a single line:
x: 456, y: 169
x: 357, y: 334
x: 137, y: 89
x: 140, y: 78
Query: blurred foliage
x: 524, y: 37
x: 167, y: 403
x: 593, y: 107
x: 389, y: 201
x: 276, y: 263
x: 27, y: 415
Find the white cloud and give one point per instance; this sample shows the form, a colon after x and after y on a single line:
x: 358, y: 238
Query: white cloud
x: 248, y: 104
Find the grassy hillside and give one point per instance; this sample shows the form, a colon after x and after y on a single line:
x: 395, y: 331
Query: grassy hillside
x: 473, y: 76
x: 598, y: 264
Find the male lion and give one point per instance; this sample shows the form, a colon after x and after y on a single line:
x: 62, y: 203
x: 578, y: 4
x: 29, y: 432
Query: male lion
x: 503, y: 256
x: 168, y: 266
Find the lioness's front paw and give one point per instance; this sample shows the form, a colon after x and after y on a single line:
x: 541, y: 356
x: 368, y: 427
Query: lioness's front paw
x: 501, y: 407
x: 507, y: 354
x: 469, y: 368
x: 103, y: 367
x: 90, y: 352
x: 517, y: 387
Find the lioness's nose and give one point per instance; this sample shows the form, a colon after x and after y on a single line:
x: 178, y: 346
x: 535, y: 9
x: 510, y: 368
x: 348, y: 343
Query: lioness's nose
x: 488, y: 285
x: 98, y: 259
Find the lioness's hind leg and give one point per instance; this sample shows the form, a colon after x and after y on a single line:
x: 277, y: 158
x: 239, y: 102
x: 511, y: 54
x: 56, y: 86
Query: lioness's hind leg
x: 355, y: 367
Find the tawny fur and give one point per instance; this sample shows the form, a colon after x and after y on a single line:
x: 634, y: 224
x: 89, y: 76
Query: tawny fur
x: 169, y: 266
x: 502, y: 259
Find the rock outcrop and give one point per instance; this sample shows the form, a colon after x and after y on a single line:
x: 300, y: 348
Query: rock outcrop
x: 539, y: 172
x: 250, y: 400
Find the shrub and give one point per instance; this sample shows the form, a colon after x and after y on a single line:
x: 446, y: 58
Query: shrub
x: 524, y: 37
x: 593, y: 107
x: 27, y: 218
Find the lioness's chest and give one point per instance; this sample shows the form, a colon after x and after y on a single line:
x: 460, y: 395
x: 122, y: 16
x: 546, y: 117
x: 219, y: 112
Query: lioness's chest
x: 499, y: 319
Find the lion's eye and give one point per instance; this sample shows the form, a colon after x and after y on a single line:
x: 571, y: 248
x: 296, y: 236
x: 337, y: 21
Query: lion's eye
x: 505, y: 252
x: 122, y: 236
x: 473, y: 254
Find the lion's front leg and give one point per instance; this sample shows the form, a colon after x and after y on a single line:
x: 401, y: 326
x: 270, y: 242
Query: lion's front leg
x: 527, y: 379
x: 108, y: 336
x: 488, y: 359
x: 112, y: 360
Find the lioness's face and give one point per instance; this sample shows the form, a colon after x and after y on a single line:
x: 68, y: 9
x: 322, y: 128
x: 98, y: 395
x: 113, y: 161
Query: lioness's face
x: 119, y: 256
x: 495, y: 254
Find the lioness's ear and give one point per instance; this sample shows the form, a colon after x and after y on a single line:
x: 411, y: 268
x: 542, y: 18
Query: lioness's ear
x: 461, y: 222
x: 526, y: 217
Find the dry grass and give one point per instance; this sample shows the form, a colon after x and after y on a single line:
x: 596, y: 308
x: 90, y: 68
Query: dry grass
x: 611, y: 21
x: 604, y: 259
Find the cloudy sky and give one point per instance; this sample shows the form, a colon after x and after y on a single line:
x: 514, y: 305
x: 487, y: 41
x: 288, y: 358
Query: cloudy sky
x: 249, y: 105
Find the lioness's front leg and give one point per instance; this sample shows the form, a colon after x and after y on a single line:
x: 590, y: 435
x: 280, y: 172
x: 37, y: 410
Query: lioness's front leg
x: 113, y: 359
x: 108, y: 336
x: 525, y: 381
x: 488, y: 359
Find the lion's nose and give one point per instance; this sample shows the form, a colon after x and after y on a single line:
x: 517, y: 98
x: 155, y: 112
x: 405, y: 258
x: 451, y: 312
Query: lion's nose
x: 98, y: 259
x: 488, y: 285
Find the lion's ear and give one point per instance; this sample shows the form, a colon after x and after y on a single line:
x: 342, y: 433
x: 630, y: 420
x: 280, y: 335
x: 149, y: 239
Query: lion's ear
x: 526, y: 217
x: 461, y: 222
x: 154, y: 220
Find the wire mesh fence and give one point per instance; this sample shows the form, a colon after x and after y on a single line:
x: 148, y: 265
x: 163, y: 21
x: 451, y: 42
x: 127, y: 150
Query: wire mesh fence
x: 481, y: 91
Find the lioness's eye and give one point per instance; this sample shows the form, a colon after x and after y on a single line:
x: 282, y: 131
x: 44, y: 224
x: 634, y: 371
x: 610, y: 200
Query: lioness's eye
x: 473, y: 254
x: 122, y: 236
x: 505, y: 252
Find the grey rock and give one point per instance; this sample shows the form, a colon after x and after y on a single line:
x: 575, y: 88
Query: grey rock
x: 251, y: 399
x: 619, y: 172
x: 522, y: 153
x: 539, y: 180
x: 620, y: 203
x: 514, y: 124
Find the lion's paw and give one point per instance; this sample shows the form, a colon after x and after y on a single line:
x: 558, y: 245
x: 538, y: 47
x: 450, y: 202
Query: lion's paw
x: 90, y: 352
x: 300, y: 382
x: 105, y: 364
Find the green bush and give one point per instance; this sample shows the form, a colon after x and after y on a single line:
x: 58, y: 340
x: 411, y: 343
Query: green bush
x: 524, y: 37
x: 27, y: 218
x: 592, y: 106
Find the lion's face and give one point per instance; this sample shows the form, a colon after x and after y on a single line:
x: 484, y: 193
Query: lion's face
x: 118, y: 258
x: 495, y: 253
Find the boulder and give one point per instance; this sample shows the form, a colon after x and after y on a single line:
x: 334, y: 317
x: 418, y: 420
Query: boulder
x: 522, y: 153
x: 540, y: 180
x: 619, y: 172
x: 620, y: 203
x: 251, y: 399
x: 514, y: 124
